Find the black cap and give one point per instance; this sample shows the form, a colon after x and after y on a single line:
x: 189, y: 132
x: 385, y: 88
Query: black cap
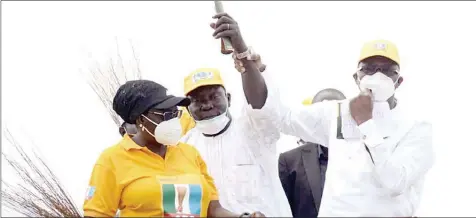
x: 136, y: 97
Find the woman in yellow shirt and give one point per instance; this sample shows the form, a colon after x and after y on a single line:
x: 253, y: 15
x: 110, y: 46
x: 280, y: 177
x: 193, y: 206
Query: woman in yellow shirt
x: 150, y: 173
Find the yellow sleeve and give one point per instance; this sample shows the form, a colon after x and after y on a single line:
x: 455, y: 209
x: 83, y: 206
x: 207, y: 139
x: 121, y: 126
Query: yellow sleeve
x: 210, y: 181
x: 103, y: 195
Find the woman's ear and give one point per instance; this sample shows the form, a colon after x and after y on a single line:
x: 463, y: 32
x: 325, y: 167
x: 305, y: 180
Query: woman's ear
x: 228, y: 96
x: 140, y: 123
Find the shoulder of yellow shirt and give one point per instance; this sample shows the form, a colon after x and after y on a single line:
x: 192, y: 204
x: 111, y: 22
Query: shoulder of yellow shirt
x: 186, y: 121
x: 117, y: 150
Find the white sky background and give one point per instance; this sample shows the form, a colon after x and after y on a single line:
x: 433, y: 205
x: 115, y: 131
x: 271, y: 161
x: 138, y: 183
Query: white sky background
x: 308, y: 45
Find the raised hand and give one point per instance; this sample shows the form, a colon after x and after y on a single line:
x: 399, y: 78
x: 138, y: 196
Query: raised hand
x: 226, y: 26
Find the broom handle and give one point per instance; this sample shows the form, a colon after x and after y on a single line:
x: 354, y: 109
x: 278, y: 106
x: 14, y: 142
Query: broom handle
x: 226, y: 47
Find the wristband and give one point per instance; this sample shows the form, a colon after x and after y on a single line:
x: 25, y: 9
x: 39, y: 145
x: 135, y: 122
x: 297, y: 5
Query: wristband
x: 246, y: 54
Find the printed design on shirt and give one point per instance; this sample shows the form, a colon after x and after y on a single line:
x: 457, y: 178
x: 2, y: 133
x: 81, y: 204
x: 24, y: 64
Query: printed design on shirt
x: 90, y: 192
x: 180, y: 199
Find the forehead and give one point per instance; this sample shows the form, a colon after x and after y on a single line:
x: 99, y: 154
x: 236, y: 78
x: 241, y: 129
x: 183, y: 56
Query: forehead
x: 206, y: 90
x: 378, y: 61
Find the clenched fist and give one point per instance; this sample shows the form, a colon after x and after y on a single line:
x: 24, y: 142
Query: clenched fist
x: 361, y: 107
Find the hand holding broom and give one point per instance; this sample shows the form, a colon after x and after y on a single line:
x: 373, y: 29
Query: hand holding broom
x: 226, y: 46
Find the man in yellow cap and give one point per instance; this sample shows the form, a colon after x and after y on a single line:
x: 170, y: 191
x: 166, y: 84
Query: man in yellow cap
x: 380, y: 153
x: 302, y: 170
x: 241, y: 160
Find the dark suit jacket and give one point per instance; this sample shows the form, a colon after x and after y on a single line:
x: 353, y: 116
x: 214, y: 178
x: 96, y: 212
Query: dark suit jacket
x: 300, y: 175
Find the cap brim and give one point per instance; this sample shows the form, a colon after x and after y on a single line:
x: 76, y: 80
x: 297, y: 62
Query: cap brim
x: 203, y: 85
x: 377, y: 55
x: 173, y: 101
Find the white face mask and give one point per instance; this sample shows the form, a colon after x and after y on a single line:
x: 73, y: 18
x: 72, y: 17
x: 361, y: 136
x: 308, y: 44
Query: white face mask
x: 382, y: 86
x: 214, y: 125
x: 167, y: 132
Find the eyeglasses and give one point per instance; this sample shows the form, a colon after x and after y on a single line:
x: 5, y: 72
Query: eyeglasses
x: 169, y: 114
x: 369, y: 70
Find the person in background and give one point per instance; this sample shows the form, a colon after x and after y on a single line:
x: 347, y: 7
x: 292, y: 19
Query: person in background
x: 241, y: 160
x: 141, y: 174
x: 303, y: 170
x: 128, y: 128
x: 380, y: 153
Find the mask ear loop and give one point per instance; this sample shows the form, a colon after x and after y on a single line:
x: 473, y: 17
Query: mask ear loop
x: 145, y: 129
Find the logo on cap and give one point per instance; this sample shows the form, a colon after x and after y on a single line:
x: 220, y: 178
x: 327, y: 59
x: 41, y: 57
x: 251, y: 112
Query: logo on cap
x: 201, y: 76
x: 381, y: 46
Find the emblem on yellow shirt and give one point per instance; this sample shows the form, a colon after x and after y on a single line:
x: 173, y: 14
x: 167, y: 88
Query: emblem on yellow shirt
x: 180, y: 199
x: 90, y: 192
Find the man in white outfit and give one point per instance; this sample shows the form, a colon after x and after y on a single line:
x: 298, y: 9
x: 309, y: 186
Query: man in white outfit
x: 240, y: 153
x: 378, y: 156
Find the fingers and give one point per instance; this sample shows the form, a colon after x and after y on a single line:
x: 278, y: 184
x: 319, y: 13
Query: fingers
x: 224, y: 20
x: 219, y: 15
x: 367, y: 92
x: 224, y: 27
x: 239, y: 66
x: 226, y: 33
x: 262, y: 68
x: 254, y: 57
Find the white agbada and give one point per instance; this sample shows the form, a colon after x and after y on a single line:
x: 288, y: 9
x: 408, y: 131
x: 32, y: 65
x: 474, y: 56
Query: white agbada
x: 244, y: 164
x: 401, y: 149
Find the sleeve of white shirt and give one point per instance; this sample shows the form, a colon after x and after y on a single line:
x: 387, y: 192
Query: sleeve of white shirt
x: 399, y: 168
x: 310, y: 123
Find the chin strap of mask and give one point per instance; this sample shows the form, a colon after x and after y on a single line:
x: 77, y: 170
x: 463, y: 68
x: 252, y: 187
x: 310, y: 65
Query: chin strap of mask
x: 222, y: 131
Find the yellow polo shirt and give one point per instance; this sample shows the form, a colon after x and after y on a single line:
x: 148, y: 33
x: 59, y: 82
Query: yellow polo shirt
x: 142, y: 184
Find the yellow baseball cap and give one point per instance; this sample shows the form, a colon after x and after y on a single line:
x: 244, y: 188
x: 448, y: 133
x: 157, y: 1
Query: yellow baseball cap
x: 382, y: 48
x: 202, y: 77
x: 307, y: 101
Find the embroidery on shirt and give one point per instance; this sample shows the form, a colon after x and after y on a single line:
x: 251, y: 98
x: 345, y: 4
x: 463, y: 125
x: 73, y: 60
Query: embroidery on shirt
x: 90, y: 192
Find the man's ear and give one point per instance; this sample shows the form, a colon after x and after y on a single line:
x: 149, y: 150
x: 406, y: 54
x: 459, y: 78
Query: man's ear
x: 355, y: 78
x: 228, y: 96
x: 399, y: 82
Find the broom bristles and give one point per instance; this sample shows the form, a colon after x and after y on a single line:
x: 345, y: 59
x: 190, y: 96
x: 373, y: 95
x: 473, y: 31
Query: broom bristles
x: 42, y: 194
x: 105, y: 82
